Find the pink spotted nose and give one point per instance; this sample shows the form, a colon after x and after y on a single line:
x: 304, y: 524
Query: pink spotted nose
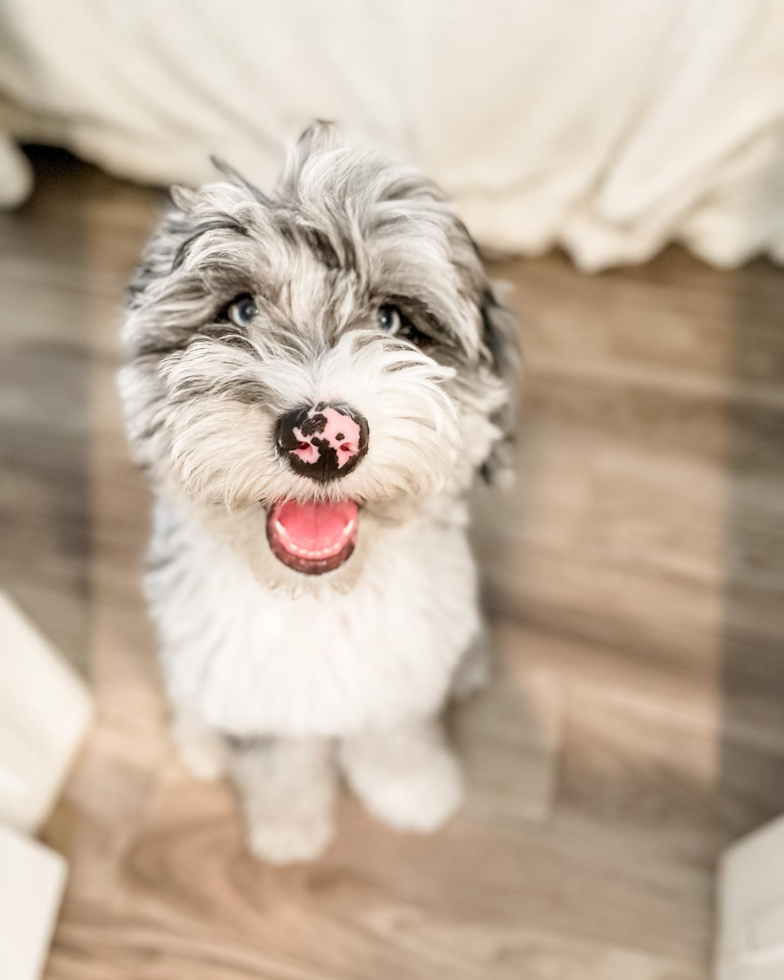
x: 323, y: 442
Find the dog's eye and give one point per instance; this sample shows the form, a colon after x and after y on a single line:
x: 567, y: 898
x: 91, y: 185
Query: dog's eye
x: 393, y: 321
x: 242, y: 310
x: 390, y: 319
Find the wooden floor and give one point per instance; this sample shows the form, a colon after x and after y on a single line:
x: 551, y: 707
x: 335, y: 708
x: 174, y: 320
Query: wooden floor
x: 637, y: 608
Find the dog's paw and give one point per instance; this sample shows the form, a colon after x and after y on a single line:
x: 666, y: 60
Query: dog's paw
x: 203, y: 753
x: 300, y: 838
x: 420, y: 798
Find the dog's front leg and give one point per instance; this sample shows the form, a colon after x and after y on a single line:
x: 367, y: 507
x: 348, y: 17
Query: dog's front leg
x: 203, y: 751
x: 288, y: 789
x: 406, y: 776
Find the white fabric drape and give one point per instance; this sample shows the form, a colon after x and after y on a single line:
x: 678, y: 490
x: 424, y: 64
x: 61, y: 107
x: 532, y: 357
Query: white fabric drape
x: 608, y: 127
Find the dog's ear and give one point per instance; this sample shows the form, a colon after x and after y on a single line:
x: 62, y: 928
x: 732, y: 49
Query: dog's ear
x: 499, y: 336
x: 190, y: 215
x: 160, y: 252
x: 502, y: 350
x: 321, y: 136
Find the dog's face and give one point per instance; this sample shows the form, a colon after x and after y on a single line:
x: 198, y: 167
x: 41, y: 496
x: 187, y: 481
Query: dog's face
x: 316, y: 360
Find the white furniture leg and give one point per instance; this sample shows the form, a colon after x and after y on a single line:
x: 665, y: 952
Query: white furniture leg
x: 750, y: 943
x: 45, y: 711
x: 32, y: 878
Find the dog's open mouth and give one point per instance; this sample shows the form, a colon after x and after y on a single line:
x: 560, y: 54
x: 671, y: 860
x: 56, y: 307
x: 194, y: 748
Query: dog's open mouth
x: 313, y: 537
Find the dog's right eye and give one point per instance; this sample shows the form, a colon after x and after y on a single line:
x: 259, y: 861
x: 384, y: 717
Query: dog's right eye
x: 242, y: 310
x: 389, y: 318
x: 393, y: 320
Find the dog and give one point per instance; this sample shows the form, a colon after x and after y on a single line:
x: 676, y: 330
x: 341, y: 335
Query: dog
x: 312, y: 381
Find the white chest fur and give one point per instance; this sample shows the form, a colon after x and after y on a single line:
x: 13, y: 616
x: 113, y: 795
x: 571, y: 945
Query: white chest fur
x: 254, y: 661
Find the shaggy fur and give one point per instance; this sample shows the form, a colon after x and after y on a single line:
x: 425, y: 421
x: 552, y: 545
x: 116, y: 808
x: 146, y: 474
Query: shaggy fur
x: 277, y: 677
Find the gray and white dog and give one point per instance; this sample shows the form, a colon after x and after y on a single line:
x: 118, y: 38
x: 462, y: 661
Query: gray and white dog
x: 312, y: 381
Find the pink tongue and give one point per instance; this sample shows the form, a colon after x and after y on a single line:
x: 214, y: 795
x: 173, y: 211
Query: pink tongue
x: 317, y: 529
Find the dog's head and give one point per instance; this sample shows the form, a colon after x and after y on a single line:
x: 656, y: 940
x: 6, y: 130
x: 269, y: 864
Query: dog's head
x: 318, y: 359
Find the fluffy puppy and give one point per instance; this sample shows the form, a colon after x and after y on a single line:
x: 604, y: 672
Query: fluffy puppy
x: 312, y: 381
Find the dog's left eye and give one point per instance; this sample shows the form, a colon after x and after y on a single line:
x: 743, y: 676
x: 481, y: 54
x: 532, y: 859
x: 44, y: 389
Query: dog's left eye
x: 242, y: 310
x: 390, y: 318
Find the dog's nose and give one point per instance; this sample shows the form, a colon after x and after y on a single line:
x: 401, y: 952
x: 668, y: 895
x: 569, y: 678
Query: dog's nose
x: 322, y: 442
